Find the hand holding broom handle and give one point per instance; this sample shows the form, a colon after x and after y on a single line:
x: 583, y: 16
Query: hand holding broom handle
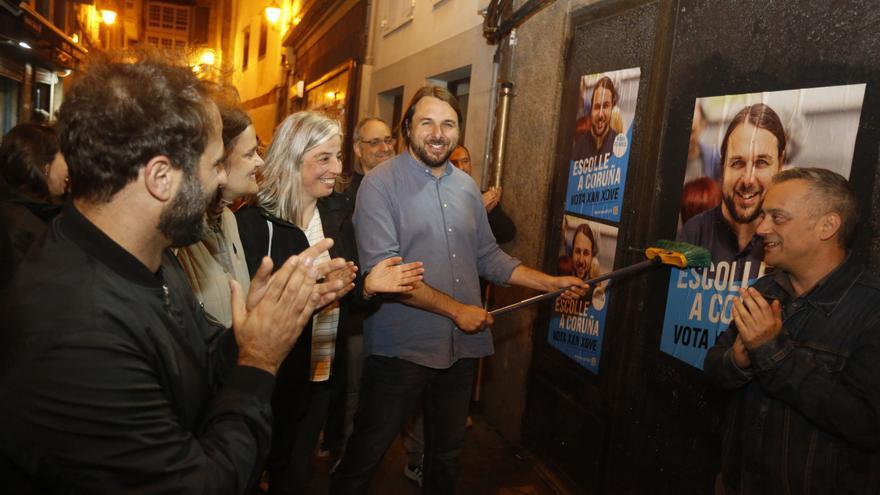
x: 678, y: 254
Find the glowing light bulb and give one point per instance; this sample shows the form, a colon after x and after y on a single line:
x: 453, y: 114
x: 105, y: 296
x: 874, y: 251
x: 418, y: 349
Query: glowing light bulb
x: 273, y: 14
x: 108, y: 16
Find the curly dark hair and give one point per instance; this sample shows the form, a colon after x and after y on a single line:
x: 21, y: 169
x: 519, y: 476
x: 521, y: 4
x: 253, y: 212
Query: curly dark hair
x: 126, y: 108
x: 24, y: 154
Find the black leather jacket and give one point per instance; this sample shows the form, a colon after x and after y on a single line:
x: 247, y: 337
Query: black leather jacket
x: 805, y: 417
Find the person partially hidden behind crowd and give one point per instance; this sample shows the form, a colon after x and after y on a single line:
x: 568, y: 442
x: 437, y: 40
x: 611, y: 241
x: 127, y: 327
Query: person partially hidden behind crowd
x: 112, y: 380
x: 502, y: 226
x: 33, y: 182
x: 800, y: 357
x: 372, y: 145
x: 219, y: 255
x: 297, y: 207
x: 421, y: 347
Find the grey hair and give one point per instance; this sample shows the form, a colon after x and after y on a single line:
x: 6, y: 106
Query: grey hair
x: 358, y: 134
x: 281, y: 191
x: 832, y: 193
x: 358, y: 129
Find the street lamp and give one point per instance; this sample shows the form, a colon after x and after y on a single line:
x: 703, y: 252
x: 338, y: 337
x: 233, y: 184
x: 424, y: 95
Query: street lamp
x: 108, y: 16
x: 207, y: 57
x: 273, y: 14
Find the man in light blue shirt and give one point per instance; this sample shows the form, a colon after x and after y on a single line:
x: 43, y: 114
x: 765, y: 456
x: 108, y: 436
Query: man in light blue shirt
x: 423, y: 346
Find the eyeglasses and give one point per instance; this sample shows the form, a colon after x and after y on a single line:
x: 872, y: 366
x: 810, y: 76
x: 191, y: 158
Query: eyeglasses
x: 376, y: 142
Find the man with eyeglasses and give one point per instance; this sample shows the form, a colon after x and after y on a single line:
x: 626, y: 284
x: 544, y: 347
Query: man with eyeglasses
x: 373, y: 144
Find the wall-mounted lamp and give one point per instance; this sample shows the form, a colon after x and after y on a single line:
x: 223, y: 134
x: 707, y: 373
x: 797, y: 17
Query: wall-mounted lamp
x: 75, y: 38
x: 203, y: 63
x: 207, y: 57
x: 273, y: 14
x: 108, y: 16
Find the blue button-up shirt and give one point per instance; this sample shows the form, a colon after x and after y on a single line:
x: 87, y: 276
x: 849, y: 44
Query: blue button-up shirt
x: 403, y: 210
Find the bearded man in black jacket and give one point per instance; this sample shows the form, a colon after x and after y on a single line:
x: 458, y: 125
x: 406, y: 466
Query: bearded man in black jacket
x: 112, y: 378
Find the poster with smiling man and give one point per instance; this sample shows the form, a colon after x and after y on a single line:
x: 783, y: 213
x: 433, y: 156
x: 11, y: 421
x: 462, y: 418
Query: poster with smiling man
x: 577, y: 326
x: 602, y: 141
x: 737, y: 144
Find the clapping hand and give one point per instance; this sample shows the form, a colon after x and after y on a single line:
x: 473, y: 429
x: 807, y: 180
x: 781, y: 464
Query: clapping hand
x: 339, y: 270
x: 757, y: 321
x: 391, y: 276
x: 740, y: 355
x: 271, y: 318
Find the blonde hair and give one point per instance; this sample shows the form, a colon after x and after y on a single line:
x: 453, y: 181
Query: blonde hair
x: 281, y: 180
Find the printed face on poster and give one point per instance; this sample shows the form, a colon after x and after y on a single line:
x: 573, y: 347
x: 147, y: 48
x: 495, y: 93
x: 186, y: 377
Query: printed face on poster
x: 577, y: 326
x: 602, y: 142
x: 737, y: 144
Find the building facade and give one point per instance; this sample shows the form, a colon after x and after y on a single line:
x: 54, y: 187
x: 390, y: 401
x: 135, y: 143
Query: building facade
x: 412, y: 44
x: 39, y: 47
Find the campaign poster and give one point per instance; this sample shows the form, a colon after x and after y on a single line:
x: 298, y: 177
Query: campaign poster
x: 602, y: 142
x: 577, y: 326
x: 737, y: 143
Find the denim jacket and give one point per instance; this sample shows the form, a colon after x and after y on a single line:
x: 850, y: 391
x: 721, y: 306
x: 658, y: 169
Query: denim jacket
x: 805, y: 417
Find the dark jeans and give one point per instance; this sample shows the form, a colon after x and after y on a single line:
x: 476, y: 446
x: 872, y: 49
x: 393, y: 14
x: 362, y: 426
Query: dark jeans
x: 390, y: 391
x: 300, y: 412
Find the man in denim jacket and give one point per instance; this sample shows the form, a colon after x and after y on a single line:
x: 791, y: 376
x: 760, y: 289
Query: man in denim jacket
x: 802, y: 356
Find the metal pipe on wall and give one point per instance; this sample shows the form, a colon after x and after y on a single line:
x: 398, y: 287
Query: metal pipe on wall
x: 497, y: 170
x: 490, y: 123
x: 501, y: 136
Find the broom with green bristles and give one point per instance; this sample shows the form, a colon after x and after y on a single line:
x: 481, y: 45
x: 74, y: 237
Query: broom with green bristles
x: 677, y: 254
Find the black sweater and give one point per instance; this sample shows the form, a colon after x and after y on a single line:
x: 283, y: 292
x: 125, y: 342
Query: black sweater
x: 113, y: 381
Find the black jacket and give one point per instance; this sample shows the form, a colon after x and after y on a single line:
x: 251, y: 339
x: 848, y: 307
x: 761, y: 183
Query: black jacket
x: 289, y: 240
x: 113, y: 381
x: 805, y: 417
x: 22, y: 220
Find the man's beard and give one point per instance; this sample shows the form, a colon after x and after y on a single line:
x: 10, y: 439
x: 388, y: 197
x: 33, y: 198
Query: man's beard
x: 599, y: 138
x: 426, y: 158
x: 735, y: 214
x: 182, y: 222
